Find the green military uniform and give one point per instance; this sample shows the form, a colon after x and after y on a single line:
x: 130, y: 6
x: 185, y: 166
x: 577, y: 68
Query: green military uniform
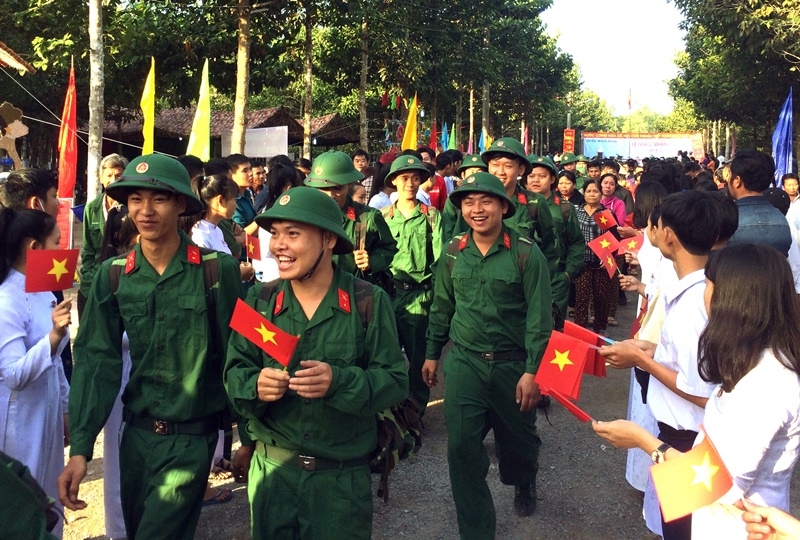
x: 21, y: 499
x: 226, y: 226
x: 94, y: 223
x: 326, y: 493
x: 499, y: 319
x: 419, y: 243
x: 174, y: 399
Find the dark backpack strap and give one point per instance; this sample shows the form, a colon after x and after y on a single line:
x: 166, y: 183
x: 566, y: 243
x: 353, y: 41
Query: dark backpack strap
x: 365, y: 301
x: 114, y: 274
x: 523, y: 254
x: 268, y: 289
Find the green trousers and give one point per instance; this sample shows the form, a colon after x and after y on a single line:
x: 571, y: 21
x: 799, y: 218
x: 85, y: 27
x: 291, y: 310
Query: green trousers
x: 411, y: 310
x: 162, y: 482
x: 559, y: 288
x: 476, y: 392
x: 289, y: 503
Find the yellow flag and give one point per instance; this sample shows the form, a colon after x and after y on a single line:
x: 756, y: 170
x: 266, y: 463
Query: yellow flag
x: 148, y: 104
x: 489, y: 139
x: 200, y: 138
x: 410, y: 135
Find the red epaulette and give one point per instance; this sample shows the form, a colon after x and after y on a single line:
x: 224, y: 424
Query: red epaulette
x: 344, y: 301
x: 193, y: 254
x: 557, y: 200
x: 351, y: 213
x: 522, y: 198
x: 130, y: 262
x: 423, y: 208
x: 463, y: 242
x: 278, y: 303
x: 506, y: 240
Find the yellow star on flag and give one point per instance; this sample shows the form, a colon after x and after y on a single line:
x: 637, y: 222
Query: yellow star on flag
x: 266, y: 335
x: 250, y: 247
x: 603, y: 220
x: 632, y: 244
x: 609, y: 261
x: 561, y: 360
x: 704, y: 472
x: 604, y: 243
x: 59, y: 269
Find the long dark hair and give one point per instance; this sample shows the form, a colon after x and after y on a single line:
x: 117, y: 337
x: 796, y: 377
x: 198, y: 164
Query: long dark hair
x: 753, y: 307
x: 648, y: 196
x: 206, y: 188
x: 119, y: 234
x: 280, y: 178
x: 15, y: 227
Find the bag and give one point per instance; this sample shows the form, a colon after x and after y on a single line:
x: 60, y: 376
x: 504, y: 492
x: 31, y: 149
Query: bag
x: 48, y: 505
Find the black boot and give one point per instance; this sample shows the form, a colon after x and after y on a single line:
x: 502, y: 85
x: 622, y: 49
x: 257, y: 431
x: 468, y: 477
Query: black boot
x: 525, y: 499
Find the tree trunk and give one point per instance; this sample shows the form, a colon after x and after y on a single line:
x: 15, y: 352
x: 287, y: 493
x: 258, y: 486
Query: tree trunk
x: 242, y: 79
x: 96, y: 102
x: 363, y: 126
x: 308, y: 102
x: 471, y: 117
x: 458, y: 119
x: 485, y: 107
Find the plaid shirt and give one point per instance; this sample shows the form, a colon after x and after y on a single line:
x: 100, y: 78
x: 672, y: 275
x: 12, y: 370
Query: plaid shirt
x: 590, y: 231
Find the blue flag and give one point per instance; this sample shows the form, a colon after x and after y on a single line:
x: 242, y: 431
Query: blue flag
x: 482, y: 141
x: 782, y: 141
x: 445, y: 137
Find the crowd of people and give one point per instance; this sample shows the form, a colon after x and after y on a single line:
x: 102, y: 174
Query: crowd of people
x: 365, y: 274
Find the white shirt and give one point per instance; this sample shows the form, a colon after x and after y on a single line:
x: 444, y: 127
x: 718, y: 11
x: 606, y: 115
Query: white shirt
x: 677, y: 350
x: 206, y: 234
x: 756, y: 430
x: 267, y: 266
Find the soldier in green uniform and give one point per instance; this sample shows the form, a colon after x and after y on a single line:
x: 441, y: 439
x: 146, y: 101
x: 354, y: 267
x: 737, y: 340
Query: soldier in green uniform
x: 471, y: 164
x: 506, y: 160
x: 332, y: 173
x: 569, y: 162
x: 314, y: 422
x: 94, y: 223
x: 492, y: 299
x: 177, y: 326
x: 542, y: 179
x: 417, y: 228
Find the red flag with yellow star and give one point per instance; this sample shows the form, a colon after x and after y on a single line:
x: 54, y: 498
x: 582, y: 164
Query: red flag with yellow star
x: 576, y: 411
x: 562, y: 365
x: 604, y: 244
x: 253, y: 246
x: 630, y: 244
x: 50, y: 269
x: 265, y: 335
x: 691, y: 481
x: 610, y: 264
x: 595, y: 362
x: 605, y: 219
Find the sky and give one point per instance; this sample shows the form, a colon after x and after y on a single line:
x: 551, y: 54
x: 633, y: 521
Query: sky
x: 637, y: 52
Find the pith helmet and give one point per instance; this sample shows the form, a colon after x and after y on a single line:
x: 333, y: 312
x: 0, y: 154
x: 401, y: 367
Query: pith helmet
x: 507, y: 147
x: 332, y: 168
x: 157, y: 172
x: 308, y: 205
x: 567, y: 158
x: 472, y: 161
x: 482, y: 182
x: 405, y: 164
x: 543, y: 161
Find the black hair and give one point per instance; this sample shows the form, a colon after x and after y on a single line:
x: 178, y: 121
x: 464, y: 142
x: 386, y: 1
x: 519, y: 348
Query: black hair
x: 756, y: 169
x: 17, y: 225
x: 236, y: 161
x: 569, y: 174
x: 648, y: 196
x: 280, y: 178
x: 610, y: 163
x: 281, y: 159
x: 455, y: 155
x: 593, y: 163
x: 302, y: 162
x: 216, y: 166
x: 23, y: 184
x: 692, y: 216
x: 426, y: 150
x: 443, y: 161
x: 206, y: 188
x: 727, y: 215
x: 592, y: 182
x: 663, y: 174
x: 789, y: 176
x: 748, y: 315
x: 378, y: 177
x: 410, y: 153
x: 192, y: 164
x: 119, y: 234
x: 359, y: 152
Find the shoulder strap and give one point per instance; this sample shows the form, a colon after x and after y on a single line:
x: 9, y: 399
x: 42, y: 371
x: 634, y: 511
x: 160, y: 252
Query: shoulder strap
x: 523, y: 253
x: 388, y: 211
x: 209, y: 262
x: 268, y: 289
x: 114, y: 274
x: 452, y: 250
x: 365, y: 301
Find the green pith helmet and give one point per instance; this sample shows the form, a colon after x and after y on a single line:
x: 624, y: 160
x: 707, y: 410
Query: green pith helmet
x: 157, y: 172
x: 332, y: 168
x: 567, y: 158
x: 543, y: 161
x: 406, y: 164
x: 582, y: 158
x: 508, y: 147
x: 482, y: 182
x: 472, y: 161
x: 308, y: 205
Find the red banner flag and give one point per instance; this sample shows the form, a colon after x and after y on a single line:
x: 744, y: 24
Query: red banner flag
x: 50, y: 269
x: 562, y: 365
x: 610, y: 264
x: 576, y: 411
x: 68, y: 141
x: 691, y: 481
x: 265, y: 335
x: 603, y: 245
x: 434, y: 135
x: 630, y: 245
x: 596, y: 362
x: 629, y: 220
x: 253, y: 247
x: 605, y: 219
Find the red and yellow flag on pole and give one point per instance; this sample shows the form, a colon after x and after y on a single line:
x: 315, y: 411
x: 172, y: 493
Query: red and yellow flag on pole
x: 264, y: 334
x: 630, y: 245
x: 595, y: 362
x: 562, y: 365
x: 50, y: 269
x: 691, y: 481
x: 604, y: 244
x: 148, y: 104
x: 605, y: 219
x: 253, y: 245
x: 68, y: 141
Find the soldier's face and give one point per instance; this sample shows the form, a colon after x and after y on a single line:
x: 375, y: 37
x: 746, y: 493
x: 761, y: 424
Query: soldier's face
x: 539, y: 180
x: 483, y: 213
x: 507, y: 170
x: 407, y: 185
x: 155, y: 213
x: 337, y: 193
x: 296, y: 247
x: 570, y: 167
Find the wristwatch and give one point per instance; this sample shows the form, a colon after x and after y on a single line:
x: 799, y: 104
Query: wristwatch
x: 657, y: 455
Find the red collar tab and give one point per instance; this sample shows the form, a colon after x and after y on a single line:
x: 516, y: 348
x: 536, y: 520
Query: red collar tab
x: 506, y: 240
x: 522, y: 198
x: 351, y: 213
x: 423, y: 208
x: 130, y: 262
x: 344, y: 301
x: 193, y: 254
x: 278, y: 303
x: 463, y: 242
x: 558, y: 201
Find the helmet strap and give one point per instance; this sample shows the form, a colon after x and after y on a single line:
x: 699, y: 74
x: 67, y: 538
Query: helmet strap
x: 316, y: 264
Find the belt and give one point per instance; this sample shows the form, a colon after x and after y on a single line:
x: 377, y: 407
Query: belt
x: 203, y: 426
x: 412, y: 286
x: 676, y: 435
x: 306, y: 463
x: 517, y: 355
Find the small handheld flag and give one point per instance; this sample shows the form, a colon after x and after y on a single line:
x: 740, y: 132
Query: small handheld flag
x: 562, y: 365
x: 264, y: 334
x: 50, y: 269
x: 576, y: 411
x: 605, y: 219
x: 604, y: 244
x: 253, y: 245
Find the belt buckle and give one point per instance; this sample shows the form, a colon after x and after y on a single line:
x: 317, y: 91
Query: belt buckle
x: 487, y: 355
x: 307, y: 463
x: 406, y: 286
x: 160, y: 427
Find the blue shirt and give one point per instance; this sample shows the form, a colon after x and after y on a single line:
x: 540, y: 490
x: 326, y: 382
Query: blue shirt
x: 761, y: 223
x: 245, y: 213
